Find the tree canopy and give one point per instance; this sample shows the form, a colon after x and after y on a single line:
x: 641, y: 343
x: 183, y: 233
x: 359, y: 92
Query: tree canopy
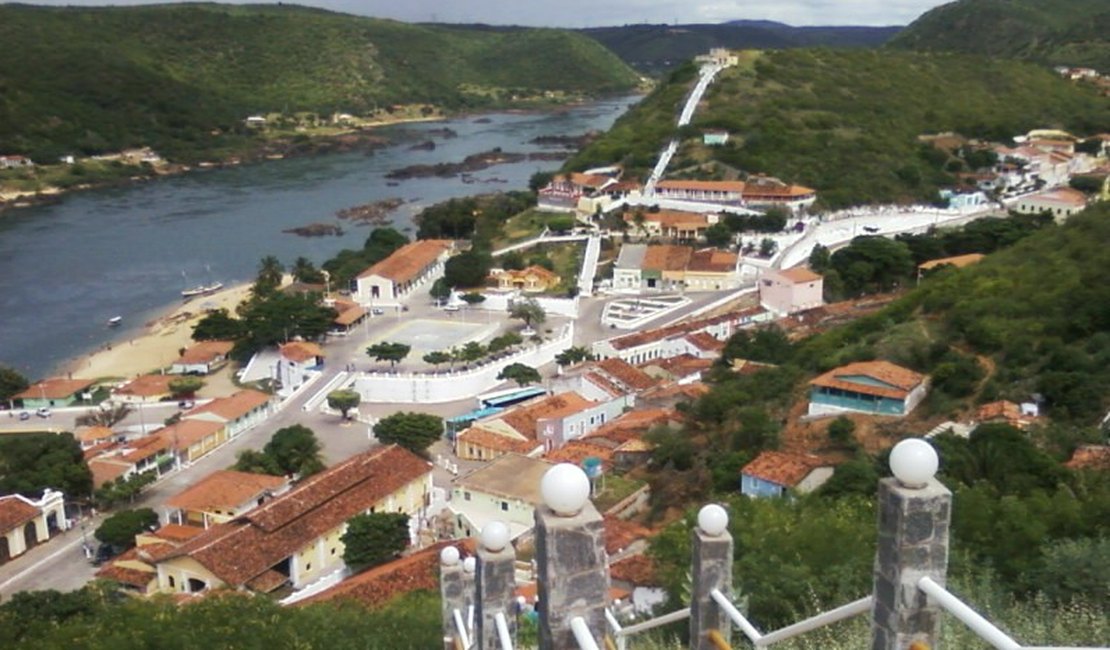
x: 30, y: 464
x: 119, y: 530
x: 374, y: 538
x: 344, y: 400
x: 391, y: 352
x: 413, y: 431
x: 520, y: 373
x: 11, y: 383
x: 291, y: 450
x: 527, y: 310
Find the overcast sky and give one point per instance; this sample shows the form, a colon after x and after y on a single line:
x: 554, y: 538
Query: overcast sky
x: 591, y: 13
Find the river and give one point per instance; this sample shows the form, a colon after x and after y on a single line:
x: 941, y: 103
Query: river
x: 66, y: 268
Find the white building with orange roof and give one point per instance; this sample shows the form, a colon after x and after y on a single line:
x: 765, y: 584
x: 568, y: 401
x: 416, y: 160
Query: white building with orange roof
x: 202, y: 358
x: 222, y: 496
x: 408, y: 268
x: 770, y: 192
x: 298, y: 362
x: 792, y: 290
x: 237, y: 412
x: 1061, y: 203
x: 54, y: 392
x: 729, y: 192
x: 25, y: 522
x: 144, y: 389
x: 875, y: 387
x: 777, y: 474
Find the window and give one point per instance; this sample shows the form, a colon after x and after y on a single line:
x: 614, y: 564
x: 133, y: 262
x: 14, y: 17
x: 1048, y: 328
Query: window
x: 505, y: 506
x: 308, y: 567
x: 173, y: 583
x: 466, y: 496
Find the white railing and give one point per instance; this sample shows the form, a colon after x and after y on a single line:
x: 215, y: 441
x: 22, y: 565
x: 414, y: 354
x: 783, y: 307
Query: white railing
x: 460, y: 629
x: 855, y: 608
x: 983, y: 628
x: 503, y: 631
x: 582, y: 634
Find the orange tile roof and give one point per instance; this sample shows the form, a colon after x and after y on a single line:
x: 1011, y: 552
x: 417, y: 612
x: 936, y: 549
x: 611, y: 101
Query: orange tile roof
x: 799, y: 274
x: 15, y: 512
x: 523, y: 419
x: 1063, y: 196
x: 1096, y: 457
x: 753, y: 191
x: 130, y: 576
x: 349, y: 315
x: 92, y: 434
x: 637, y: 339
x: 185, y: 433
x: 177, y: 533
x: 54, y: 388
x: 900, y: 381
x: 705, y: 341
x: 673, y: 219
x: 576, y: 451
x: 300, y: 351
x: 633, y: 424
x: 233, y: 407
x: 225, y: 489
x: 706, y: 186
x: 782, y: 468
x: 619, y: 533
x: 105, y: 470
x: 626, y: 373
x: 246, y: 547
x: 636, y: 569
x: 143, y: 448
x: 666, y: 257
x: 958, y: 261
x: 379, y: 585
x: 680, y: 366
x: 409, y: 261
x: 205, y: 352
x: 593, y: 181
x: 712, y: 260
x: 497, y: 442
x: 147, y: 386
x: 1001, y: 409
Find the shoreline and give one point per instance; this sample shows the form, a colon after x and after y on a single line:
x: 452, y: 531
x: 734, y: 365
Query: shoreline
x: 156, y: 345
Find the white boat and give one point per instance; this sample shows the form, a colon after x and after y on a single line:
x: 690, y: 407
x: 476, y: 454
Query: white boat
x: 114, y: 321
x: 202, y: 290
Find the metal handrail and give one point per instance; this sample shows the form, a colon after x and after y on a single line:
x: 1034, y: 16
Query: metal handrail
x: 854, y: 608
x: 460, y: 628
x: 582, y: 634
x: 503, y: 631
x: 674, y: 616
x: 747, y: 628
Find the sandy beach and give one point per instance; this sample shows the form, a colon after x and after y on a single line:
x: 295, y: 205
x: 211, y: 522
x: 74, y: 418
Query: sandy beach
x: 158, y: 345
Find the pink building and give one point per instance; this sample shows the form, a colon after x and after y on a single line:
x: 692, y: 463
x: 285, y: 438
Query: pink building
x: 792, y: 290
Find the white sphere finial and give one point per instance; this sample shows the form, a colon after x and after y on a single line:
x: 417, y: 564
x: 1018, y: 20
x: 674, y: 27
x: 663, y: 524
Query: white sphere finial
x: 449, y: 556
x: 565, y: 489
x: 713, y: 520
x: 913, y: 462
x: 495, y: 536
x: 470, y: 564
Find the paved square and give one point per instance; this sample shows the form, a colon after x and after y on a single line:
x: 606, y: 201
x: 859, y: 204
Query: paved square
x: 426, y: 335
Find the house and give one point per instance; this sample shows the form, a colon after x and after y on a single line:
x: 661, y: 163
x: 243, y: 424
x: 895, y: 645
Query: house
x: 202, y: 358
x: 714, y: 138
x: 769, y: 192
x: 618, y: 444
x: 408, y: 268
x: 544, y: 424
x: 564, y: 191
x: 712, y: 269
x: 776, y: 474
x: 1007, y: 412
x: 636, y: 574
x: 192, y: 438
x: 681, y: 368
x: 965, y: 201
x: 90, y: 437
x: 54, y: 392
x: 639, y: 348
x: 676, y: 224
x: 223, y: 495
x: 727, y: 192
x: 641, y: 267
x: 134, y: 570
x: 144, y: 389
x: 508, y: 490
x: 876, y: 387
x: 25, y: 523
x: 294, y: 539
x: 792, y: 290
x: 1061, y: 203
x: 534, y: 279
x: 121, y: 461
x: 237, y: 412
x: 349, y: 315
x: 15, y: 162
x: 298, y: 362
x: 606, y: 379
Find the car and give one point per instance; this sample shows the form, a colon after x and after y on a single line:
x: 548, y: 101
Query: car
x: 450, y: 308
x: 24, y: 416
x: 185, y: 404
x: 377, y: 311
x: 43, y: 412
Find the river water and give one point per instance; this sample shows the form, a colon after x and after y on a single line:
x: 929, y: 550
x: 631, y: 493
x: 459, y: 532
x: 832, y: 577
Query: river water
x: 65, y: 269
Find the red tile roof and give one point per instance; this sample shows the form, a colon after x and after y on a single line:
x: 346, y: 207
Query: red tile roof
x: 205, y: 352
x: 93, y: 434
x: 186, y: 433
x: 233, y: 407
x: 409, y: 261
x: 782, y: 468
x: 523, y: 419
x: 900, y: 381
x: 486, y: 439
x: 176, y: 533
x: 15, y: 512
x: 106, y: 469
x: 799, y: 275
x: 637, y: 339
x: 680, y: 366
x: 225, y: 489
x: 636, y: 569
x: 1061, y: 196
x: 576, y: 451
x: 130, y: 576
x: 626, y: 373
x: 712, y: 260
x: 247, y: 546
x: 666, y: 257
x: 300, y: 351
x: 619, y: 534
x: 54, y: 388
x: 705, y: 341
x: 147, y: 386
x: 1096, y: 457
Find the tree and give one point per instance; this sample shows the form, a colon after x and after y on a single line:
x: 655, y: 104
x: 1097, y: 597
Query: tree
x: 343, y: 401
x: 841, y: 430
x: 304, y: 270
x: 539, y: 180
x: 819, y: 258
x: 120, y: 529
x: 185, y: 386
x: 30, y: 464
x: 275, y: 317
x: 468, y: 269
x: 561, y: 223
x: 11, y: 383
x: 375, y: 538
x: 269, y: 275
x: 124, y: 489
x: 217, y: 326
x: 767, y: 247
x: 527, y: 310
x: 473, y: 298
x: 256, y: 462
x: 413, y: 431
x: 391, y: 352
x: 295, y: 450
x: 718, y: 235
x: 440, y: 289
x: 520, y: 373
x: 504, y: 342
x: 437, y: 358
x: 573, y: 355
x: 472, y: 351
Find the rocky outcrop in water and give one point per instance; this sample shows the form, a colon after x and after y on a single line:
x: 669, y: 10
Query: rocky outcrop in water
x: 472, y: 163
x: 316, y: 230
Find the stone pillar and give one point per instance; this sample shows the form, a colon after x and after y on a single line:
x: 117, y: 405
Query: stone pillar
x: 712, y: 569
x: 572, y: 575
x: 495, y: 579
x: 913, y: 543
x: 452, y: 590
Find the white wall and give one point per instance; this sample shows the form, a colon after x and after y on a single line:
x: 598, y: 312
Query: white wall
x: 499, y: 301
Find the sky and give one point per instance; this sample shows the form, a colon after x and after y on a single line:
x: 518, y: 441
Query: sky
x: 592, y: 13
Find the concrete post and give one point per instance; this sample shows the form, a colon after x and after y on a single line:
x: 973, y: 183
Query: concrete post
x: 913, y: 543
x: 712, y: 569
x: 572, y: 575
x: 452, y: 590
x: 496, y: 585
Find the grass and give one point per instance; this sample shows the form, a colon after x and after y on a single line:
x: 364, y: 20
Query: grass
x: 615, y: 489
x: 567, y: 258
x: 524, y: 226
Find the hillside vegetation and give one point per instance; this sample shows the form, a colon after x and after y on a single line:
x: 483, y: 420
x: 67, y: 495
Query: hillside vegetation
x: 1064, y: 32
x: 181, y: 78
x: 846, y: 121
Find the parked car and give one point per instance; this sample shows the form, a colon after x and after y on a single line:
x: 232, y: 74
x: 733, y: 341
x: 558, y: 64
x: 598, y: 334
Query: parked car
x: 24, y: 415
x: 377, y: 311
x: 43, y: 412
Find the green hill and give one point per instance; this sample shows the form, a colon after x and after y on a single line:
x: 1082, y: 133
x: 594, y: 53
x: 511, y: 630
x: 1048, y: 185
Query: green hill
x: 846, y: 121
x: 97, y: 79
x: 1064, y: 32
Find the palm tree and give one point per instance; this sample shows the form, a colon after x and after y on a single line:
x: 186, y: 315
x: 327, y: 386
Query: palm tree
x: 270, y: 272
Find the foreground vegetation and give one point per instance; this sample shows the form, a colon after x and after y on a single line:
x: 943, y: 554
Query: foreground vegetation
x: 182, y: 78
x: 845, y: 122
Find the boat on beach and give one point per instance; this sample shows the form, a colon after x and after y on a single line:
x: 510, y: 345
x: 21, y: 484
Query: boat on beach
x: 202, y: 290
x: 114, y: 321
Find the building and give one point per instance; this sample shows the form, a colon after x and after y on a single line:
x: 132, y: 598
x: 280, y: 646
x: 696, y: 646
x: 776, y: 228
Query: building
x: 1061, y: 203
x: 676, y: 224
x: 144, y: 389
x: 770, y: 192
x: 508, y: 489
x: 638, y: 348
x: 90, y: 437
x: 202, y: 358
x: 298, y: 362
x: 409, y: 267
x: 15, y: 162
x: 294, y: 539
x: 152, y: 453
x: 792, y: 290
x: 223, y: 495
x: 191, y: 439
x: 777, y: 474
x: 1018, y: 416
x: 712, y: 269
x: 237, y: 412
x: 714, y: 138
x: 349, y: 315
x: 564, y: 191
x: 606, y: 379
x: 25, y: 523
x: 876, y: 387
x: 534, y: 279
x: 667, y: 267
x: 54, y: 392
x: 726, y: 192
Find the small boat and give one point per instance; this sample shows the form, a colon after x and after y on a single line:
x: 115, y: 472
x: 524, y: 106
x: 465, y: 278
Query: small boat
x: 202, y: 290
x: 114, y: 321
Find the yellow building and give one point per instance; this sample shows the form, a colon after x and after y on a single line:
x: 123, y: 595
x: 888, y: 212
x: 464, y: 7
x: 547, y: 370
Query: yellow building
x: 533, y: 279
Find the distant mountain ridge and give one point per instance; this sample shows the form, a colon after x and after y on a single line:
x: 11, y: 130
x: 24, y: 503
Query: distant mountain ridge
x: 656, y: 48
x: 1059, y: 32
